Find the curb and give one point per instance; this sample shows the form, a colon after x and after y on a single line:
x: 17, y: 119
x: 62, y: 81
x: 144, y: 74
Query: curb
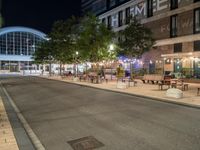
x: 33, y: 137
x: 135, y: 95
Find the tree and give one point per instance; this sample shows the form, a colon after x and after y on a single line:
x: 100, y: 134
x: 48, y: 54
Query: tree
x: 63, y: 36
x: 61, y: 44
x: 44, y: 54
x: 94, y: 40
x: 137, y: 39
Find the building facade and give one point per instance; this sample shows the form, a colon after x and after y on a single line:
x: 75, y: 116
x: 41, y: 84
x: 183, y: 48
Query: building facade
x: 176, y: 27
x: 100, y: 6
x: 17, y: 45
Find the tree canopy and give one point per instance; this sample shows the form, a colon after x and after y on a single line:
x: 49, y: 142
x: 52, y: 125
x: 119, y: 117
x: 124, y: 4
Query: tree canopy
x: 94, y: 39
x: 137, y: 39
x: 60, y: 45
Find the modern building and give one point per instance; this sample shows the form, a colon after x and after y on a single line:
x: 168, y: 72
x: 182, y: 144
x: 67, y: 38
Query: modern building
x: 1, y: 19
x: 175, y: 25
x: 17, y: 44
x: 100, y: 6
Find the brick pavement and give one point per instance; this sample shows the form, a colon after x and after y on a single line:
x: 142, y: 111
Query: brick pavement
x: 147, y: 90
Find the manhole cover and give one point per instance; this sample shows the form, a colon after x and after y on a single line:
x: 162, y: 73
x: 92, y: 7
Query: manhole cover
x: 85, y: 143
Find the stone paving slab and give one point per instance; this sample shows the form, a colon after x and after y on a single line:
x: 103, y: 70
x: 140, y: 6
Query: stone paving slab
x: 190, y: 97
x: 7, y: 138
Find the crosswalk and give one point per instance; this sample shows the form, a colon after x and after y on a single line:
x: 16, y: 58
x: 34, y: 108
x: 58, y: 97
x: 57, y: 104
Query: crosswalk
x: 7, y: 138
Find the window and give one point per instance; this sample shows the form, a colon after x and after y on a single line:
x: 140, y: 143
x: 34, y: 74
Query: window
x: 196, y: 0
x: 149, y: 8
x: 177, y: 47
x: 196, y: 45
x: 128, y: 17
x: 174, y: 4
x: 197, y: 20
x: 109, y: 22
x: 120, y: 18
x: 173, y: 26
x: 103, y: 21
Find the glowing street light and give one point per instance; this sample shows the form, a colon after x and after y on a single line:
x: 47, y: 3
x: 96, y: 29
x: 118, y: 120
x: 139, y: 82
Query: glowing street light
x: 111, y: 48
x: 76, y: 52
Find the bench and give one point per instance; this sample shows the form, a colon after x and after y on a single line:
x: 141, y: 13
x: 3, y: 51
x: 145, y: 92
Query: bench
x: 153, y: 78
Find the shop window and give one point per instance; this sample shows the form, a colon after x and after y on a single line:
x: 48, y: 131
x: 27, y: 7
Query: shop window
x: 173, y: 26
x: 120, y: 18
x: 128, y: 17
x: 177, y: 47
x: 196, y: 45
x: 197, y: 20
x: 174, y: 4
x: 149, y: 8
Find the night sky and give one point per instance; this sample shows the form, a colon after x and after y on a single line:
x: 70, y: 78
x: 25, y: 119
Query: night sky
x: 38, y: 14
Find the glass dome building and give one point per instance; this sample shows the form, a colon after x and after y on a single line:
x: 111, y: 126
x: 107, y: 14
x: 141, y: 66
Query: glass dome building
x: 17, y: 44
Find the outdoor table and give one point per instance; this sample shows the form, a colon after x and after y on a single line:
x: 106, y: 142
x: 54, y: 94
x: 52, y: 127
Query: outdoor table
x: 179, y: 82
x: 129, y: 81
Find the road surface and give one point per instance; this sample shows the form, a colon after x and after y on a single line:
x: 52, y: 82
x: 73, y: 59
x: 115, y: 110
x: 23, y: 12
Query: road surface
x: 59, y: 112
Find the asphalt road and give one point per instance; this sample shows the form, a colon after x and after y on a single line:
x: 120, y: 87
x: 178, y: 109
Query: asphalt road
x: 59, y: 112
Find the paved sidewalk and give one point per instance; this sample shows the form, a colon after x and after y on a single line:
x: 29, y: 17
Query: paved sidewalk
x: 7, y: 138
x: 21, y: 138
x: 190, y: 97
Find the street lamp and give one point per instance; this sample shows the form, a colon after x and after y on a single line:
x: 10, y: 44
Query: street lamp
x: 76, y: 63
x: 111, y: 48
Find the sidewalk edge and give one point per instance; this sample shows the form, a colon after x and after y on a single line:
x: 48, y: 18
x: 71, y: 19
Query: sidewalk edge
x: 33, y: 137
x: 131, y: 94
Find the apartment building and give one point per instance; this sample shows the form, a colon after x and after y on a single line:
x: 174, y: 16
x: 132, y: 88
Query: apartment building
x: 175, y: 25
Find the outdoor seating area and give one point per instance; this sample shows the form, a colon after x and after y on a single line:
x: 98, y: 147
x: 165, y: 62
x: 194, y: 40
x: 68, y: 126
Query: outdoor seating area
x: 191, y: 94
x: 155, y: 81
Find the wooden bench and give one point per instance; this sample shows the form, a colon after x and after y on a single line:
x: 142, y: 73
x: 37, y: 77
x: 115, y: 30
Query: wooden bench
x: 153, y: 78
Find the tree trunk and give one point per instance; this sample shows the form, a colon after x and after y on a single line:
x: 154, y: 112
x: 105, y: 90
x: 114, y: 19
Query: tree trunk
x: 130, y: 70
x: 49, y: 69
x: 60, y: 68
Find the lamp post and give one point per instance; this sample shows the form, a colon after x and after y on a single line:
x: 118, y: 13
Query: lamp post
x: 111, y: 48
x: 76, y: 57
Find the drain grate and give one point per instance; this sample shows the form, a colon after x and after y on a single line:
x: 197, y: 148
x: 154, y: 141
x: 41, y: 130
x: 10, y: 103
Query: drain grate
x: 85, y: 143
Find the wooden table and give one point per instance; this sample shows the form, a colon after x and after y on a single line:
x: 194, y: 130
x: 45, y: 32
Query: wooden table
x: 129, y: 82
